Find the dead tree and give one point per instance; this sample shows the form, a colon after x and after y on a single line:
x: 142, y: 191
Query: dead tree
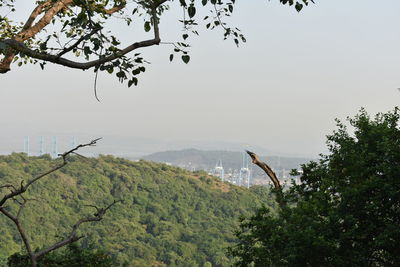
x: 17, y: 194
x: 271, y: 174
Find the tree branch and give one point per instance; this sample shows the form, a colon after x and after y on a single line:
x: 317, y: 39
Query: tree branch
x: 23, y: 187
x: 20, y: 47
x: 72, y: 237
x: 28, y: 31
x: 271, y: 174
x: 21, y: 231
x: 43, y: 22
x: 19, y: 192
x: 68, y: 49
x: 36, y: 12
x: 16, y: 44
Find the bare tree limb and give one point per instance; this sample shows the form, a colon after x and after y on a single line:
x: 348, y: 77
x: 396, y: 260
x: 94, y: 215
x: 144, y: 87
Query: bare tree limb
x: 72, y: 237
x: 271, y: 174
x: 21, y: 232
x: 18, y: 192
x: 70, y: 48
x: 23, y: 187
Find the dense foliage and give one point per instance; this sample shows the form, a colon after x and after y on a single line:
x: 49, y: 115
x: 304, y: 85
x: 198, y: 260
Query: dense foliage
x: 169, y: 216
x: 345, y: 212
x: 72, y: 256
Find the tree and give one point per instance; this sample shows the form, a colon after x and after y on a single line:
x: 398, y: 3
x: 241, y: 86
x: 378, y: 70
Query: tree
x: 346, y: 211
x: 17, y: 195
x: 57, y: 30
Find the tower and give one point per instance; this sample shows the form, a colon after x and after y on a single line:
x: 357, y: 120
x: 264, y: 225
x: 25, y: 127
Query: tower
x: 73, y: 142
x: 219, y: 170
x: 41, y: 146
x: 26, y: 145
x: 55, y: 149
x: 244, y: 173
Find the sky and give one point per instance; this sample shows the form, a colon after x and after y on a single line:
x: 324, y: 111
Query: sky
x: 281, y: 90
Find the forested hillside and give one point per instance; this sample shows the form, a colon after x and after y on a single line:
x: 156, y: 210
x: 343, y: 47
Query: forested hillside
x: 168, y: 217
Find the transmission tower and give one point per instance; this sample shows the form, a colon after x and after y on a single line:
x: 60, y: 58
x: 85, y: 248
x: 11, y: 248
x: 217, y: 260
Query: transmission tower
x: 26, y: 145
x: 55, y: 148
x: 41, y: 145
x: 73, y: 142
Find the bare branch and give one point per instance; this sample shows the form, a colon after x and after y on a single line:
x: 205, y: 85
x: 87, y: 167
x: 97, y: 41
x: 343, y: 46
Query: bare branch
x: 68, y: 49
x: 271, y: 174
x: 23, y: 187
x: 20, y: 230
x: 72, y: 237
x: 23, y: 204
x: 8, y: 186
x: 19, y: 193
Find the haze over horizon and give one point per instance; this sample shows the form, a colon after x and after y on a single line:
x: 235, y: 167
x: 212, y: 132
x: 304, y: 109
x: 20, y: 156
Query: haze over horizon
x: 281, y: 90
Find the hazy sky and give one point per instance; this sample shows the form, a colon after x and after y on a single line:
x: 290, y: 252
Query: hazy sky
x: 281, y: 90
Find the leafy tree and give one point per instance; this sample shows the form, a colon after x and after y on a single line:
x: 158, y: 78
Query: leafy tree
x: 58, y: 30
x: 346, y: 211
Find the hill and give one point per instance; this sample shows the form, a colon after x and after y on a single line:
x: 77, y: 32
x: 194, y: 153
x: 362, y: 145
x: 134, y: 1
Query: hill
x: 169, y: 216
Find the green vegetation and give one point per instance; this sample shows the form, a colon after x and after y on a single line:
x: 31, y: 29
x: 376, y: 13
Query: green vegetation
x: 72, y: 256
x: 169, y: 216
x: 345, y: 212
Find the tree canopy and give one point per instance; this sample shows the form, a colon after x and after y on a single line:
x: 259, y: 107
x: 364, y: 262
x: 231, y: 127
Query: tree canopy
x: 58, y: 31
x: 346, y: 211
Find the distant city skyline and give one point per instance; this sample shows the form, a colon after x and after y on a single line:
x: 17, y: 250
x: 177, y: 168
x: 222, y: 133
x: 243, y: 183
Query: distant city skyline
x: 280, y: 91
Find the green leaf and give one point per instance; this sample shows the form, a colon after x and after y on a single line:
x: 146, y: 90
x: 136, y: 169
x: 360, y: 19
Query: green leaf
x: 185, y: 36
x: 298, y: 6
x: 204, y: 2
x: 191, y: 11
x: 186, y: 58
x: 183, y: 3
x: 136, y: 71
x: 121, y: 74
x: 171, y: 57
x: 147, y: 26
